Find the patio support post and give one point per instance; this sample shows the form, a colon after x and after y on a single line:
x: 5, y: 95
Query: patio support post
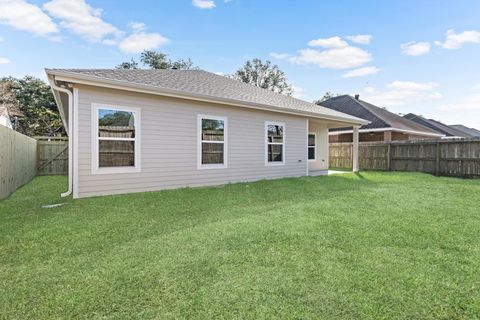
x: 355, y: 149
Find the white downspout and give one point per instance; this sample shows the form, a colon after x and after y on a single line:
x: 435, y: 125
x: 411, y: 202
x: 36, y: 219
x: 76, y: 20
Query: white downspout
x: 70, y: 138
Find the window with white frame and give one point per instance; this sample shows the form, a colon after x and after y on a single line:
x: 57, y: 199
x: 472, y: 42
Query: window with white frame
x: 212, y: 149
x: 312, y: 145
x: 116, y: 134
x: 275, y: 142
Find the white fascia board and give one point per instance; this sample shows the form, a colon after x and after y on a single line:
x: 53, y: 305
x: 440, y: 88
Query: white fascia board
x: 124, y: 85
x: 333, y: 133
x: 58, y: 101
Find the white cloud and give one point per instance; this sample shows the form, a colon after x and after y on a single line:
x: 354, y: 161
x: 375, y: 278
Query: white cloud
x: 298, y: 92
x: 464, y: 110
x: 140, y: 40
x: 415, y: 48
x: 79, y: 17
x: 457, y: 40
x: 401, y: 93
x: 360, y: 38
x: 329, y: 43
x: 137, y: 26
x: 360, y: 72
x: 2, y: 39
x: 339, y: 58
x: 4, y: 61
x: 334, y: 53
x: 204, y: 4
x: 469, y: 103
x: 27, y: 17
x: 412, y: 86
x: 280, y: 56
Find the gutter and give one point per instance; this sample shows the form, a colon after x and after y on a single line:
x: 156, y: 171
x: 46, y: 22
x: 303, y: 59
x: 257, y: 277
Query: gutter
x: 69, y: 133
x: 332, y: 133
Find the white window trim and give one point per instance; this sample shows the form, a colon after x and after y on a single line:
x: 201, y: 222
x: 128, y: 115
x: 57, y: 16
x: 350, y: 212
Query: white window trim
x: 272, y: 123
x: 95, y: 155
x: 314, y: 147
x: 201, y: 166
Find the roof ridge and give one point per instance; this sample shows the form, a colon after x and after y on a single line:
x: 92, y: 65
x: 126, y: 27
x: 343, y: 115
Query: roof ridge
x: 359, y: 102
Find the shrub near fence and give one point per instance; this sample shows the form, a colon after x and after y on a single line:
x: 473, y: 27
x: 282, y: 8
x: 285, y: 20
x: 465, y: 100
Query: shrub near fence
x: 458, y: 158
x: 18, y: 160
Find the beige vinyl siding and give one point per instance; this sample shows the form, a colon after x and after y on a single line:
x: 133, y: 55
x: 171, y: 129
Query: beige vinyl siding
x: 321, y: 150
x: 169, y: 144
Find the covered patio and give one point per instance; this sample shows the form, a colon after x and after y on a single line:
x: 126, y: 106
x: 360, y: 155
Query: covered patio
x: 318, y: 146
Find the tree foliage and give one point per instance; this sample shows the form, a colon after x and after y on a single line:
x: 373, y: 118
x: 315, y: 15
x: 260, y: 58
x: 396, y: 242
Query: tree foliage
x: 118, y: 118
x: 326, y: 96
x: 34, y: 105
x: 132, y: 64
x: 264, y: 75
x: 156, y: 60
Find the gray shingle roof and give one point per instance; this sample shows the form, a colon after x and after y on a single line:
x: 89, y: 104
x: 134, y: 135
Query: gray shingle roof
x: 470, y: 131
x: 436, y: 125
x: 206, y: 84
x: 378, y: 117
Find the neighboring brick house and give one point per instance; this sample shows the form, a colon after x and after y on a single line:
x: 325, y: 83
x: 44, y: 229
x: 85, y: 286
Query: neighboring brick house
x: 384, y: 125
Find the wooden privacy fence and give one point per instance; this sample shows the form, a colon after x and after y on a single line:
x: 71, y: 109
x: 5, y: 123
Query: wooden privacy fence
x: 52, y: 155
x: 458, y: 158
x: 18, y: 160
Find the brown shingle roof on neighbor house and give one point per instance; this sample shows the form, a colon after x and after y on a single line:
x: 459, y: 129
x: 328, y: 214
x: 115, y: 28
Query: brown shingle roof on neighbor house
x: 379, y: 118
x: 202, y: 84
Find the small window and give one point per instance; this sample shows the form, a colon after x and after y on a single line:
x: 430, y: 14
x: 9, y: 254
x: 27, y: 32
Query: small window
x: 116, y: 133
x: 275, y: 143
x: 212, y: 142
x: 312, y: 143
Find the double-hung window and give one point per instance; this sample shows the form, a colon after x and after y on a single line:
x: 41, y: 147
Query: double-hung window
x: 312, y: 145
x: 212, y: 142
x: 275, y: 143
x: 116, y: 139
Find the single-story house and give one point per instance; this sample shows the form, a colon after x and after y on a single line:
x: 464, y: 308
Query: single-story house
x: 5, y: 118
x: 145, y: 130
x: 384, y: 125
x: 472, y: 132
x: 448, y: 131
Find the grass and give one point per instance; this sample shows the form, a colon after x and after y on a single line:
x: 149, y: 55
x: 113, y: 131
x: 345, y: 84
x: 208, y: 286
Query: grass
x: 373, y: 245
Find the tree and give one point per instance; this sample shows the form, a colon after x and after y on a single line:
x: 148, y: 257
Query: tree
x: 156, y: 60
x: 38, y: 113
x: 132, y: 64
x: 264, y: 75
x: 326, y: 96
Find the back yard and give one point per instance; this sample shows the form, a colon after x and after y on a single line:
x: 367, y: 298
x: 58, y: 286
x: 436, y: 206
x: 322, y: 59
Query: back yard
x: 373, y: 245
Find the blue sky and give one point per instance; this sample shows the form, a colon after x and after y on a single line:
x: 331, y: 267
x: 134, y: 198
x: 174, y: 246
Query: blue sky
x: 408, y: 56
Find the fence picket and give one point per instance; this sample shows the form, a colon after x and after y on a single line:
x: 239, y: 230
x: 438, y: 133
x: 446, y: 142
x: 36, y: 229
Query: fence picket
x: 17, y: 160
x: 456, y: 157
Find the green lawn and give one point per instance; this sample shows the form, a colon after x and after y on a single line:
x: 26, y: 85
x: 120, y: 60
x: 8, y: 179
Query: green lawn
x: 376, y: 245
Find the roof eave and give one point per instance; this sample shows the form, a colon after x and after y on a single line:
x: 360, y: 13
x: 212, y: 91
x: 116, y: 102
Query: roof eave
x: 430, y: 134
x: 58, y: 101
x: 124, y: 85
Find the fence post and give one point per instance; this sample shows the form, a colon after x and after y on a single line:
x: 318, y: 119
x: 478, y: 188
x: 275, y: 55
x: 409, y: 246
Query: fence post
x: 389, y: 157
x: 437, y: 160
